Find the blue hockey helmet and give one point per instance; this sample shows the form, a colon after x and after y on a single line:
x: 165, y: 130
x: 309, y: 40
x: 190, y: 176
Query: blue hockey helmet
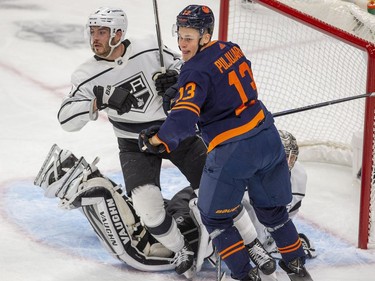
x: 198, y: 17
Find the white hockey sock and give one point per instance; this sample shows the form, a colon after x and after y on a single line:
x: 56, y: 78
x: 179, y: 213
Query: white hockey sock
x: 149, y: 205
x: 245, y: 227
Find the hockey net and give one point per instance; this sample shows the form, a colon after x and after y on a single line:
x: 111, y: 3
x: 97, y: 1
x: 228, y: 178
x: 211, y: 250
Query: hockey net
x: 306, y: 52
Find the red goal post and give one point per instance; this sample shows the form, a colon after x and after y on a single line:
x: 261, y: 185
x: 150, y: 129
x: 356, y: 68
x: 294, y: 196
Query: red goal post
x: 306, y: 52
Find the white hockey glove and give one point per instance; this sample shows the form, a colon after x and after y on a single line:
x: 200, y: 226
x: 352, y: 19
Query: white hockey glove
x: 165, y: 80
x: 115, y: 98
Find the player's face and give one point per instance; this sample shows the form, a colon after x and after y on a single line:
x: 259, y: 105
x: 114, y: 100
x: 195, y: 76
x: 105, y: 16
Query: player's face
x: 99, y: 39
x: 188, y: 41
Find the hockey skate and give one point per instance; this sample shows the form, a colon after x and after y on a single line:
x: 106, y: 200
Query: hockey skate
x: 308, y: 246
x: 184, y: 261
x: 296, y: 270
x: 253, y: 275
x: 261, y: 258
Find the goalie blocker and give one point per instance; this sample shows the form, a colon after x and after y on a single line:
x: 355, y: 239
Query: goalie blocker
x: 111, y: 214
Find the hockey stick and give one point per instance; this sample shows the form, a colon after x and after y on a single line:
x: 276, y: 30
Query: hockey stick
x: 158, y: 34
x: 322, y: 104
x: 219, y: 272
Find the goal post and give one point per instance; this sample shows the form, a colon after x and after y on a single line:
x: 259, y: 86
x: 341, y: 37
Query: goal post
x: 310, y: 51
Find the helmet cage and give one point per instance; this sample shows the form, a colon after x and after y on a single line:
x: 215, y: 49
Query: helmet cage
x: 290, y: 146
x: 291, y: 156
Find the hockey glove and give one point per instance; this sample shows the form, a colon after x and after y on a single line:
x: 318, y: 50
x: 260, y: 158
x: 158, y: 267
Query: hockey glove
x: 165, y: 80
x: 169, y: 98
x: 118, y: 99
x: 144, y: 140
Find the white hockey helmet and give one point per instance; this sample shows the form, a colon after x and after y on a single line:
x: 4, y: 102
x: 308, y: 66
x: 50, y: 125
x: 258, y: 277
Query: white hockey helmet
x: 113, y: 18
x: 290, y: 146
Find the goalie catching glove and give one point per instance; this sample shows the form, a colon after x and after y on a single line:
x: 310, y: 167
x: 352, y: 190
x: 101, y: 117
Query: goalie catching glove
x: 115, y: 98
x: 144, y: 140
x: 165, y: 80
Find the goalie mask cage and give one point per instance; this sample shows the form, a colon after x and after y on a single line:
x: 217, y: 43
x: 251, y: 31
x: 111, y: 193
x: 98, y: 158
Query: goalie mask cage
x: 305, y: 52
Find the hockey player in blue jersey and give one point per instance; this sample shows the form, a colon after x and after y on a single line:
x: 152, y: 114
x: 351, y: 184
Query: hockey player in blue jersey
x: 217, y: 91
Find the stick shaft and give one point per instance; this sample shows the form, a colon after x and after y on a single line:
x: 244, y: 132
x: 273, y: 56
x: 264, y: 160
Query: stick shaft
x: 158, y: 34
x: 321, y: 104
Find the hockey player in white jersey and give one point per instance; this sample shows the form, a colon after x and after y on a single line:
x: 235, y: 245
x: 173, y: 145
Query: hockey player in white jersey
x: 298, y: 179
x: 118, y: 80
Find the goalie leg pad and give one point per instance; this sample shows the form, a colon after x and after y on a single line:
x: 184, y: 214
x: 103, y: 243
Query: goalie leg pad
x: 205, y: 248
x: 120, y: 231
x: 50, y: 176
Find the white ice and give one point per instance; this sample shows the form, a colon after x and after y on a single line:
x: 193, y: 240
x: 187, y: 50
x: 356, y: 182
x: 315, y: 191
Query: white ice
x: 42, y: 43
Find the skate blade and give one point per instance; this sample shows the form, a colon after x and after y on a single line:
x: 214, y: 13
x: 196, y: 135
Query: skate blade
x: 270, y: 277
x: 190, y: 273
x: 295, y: 277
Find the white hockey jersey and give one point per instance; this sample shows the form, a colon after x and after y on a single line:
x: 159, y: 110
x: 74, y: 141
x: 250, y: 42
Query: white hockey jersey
x: 132, y: 71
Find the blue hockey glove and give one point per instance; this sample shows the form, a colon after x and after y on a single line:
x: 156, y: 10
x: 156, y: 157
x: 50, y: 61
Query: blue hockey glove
x: 144, y: 140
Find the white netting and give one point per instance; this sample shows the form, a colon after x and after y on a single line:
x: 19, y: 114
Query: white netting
x: 294, y: 66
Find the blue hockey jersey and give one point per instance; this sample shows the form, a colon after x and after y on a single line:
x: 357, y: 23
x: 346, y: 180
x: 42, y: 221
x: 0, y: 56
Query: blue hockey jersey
x: 218, y: 91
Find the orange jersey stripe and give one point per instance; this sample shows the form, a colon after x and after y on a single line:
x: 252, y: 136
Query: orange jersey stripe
x: 232, y: 249
x: 236, y: 131
x: 290, y: 248
x: 189, y: 106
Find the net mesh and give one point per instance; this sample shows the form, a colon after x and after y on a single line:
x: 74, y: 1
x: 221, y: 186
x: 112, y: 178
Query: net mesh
x: 295, y: 66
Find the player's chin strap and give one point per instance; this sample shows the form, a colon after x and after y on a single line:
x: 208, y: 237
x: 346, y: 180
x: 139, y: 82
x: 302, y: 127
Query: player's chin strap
x: 113, y: 47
